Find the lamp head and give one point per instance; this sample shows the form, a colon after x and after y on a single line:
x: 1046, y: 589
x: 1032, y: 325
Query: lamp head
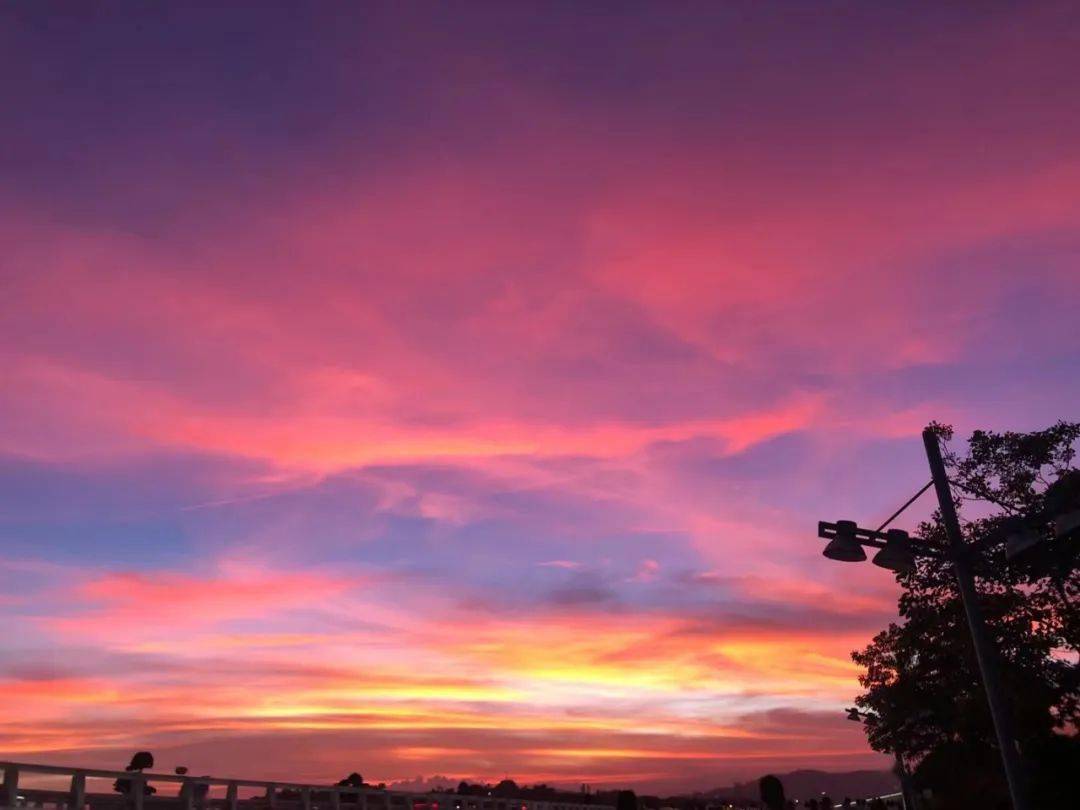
x: 897, y: 555
x: 844, y: 547
x: 1067, y: 526
x: 1020, y: 541
x: 1063, y: 504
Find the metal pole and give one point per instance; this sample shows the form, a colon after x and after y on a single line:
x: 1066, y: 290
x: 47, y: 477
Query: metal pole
x: 985, y: 653
x: 905, y: 783
x: 11, y: 785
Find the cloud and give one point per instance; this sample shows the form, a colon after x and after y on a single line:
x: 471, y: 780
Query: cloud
x: 140, y: 604
x: 647, y: 571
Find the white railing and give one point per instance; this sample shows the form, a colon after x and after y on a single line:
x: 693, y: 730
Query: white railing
x: 193, y: 794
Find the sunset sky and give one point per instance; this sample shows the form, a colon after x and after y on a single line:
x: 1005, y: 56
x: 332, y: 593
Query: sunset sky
x: 454, y: 388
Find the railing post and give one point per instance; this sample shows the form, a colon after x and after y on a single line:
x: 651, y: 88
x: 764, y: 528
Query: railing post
x: 305, y: 798
x: 230, y: 796
x: 335, y: 799
x: 78, y: 791
x: 271, y: 796
x: 11, y: 786
x: 138, y: 790
x: 187, y: 795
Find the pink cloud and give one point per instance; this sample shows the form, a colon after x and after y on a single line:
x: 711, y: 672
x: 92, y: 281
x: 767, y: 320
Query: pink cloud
x: 128, y: 604
x: 646, y: 571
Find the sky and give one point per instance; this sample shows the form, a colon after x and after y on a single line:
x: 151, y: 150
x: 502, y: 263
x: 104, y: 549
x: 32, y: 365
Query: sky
x: 452, y: 390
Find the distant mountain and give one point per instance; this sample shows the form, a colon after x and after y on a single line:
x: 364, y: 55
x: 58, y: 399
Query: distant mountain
x: 807, y: 784
x: 422, y: 784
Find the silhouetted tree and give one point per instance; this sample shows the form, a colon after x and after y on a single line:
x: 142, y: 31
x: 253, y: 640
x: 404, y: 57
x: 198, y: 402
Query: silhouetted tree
x: 923, y: 688
x: 352, y: 780
x: 626, y: 800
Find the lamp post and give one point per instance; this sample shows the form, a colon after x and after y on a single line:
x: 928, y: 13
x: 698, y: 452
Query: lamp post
x: 897, y: 552
x: 985, y: 653
x: 901, y: 768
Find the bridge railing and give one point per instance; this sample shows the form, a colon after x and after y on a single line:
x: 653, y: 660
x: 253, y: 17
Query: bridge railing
x: 193, y: 794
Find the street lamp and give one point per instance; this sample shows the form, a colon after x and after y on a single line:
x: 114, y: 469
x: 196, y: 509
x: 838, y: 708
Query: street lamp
x: 856, y: 716
x: 844, y: 545
x: 1049, y: 538
x: 898, y: 553
x: 1021, y: 540
x: 897, y: 550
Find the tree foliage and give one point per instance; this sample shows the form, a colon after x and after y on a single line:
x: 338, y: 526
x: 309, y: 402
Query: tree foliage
x: 922, y: 687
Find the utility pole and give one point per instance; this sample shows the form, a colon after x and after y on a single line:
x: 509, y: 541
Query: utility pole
x: 985, y: 653
x: 907, y: 790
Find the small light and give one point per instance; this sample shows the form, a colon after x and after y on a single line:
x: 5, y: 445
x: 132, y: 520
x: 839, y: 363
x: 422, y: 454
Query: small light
x: 1067, y: 526
x: 1063, y: 503
x: 897, y: 555
x: 1020, y: 542
x: 844, y: 547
